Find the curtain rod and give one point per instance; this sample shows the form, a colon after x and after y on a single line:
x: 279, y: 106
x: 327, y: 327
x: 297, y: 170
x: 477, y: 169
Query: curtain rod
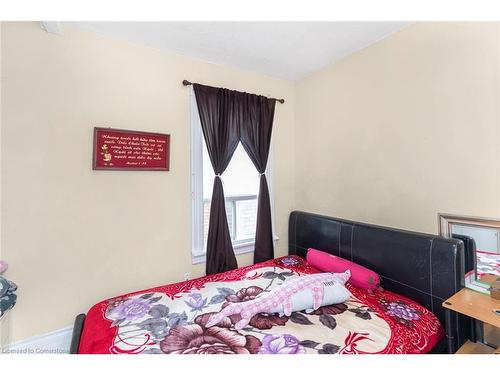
x: 187, y: 83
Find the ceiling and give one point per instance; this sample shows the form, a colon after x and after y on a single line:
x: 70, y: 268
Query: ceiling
x: 287, y: 50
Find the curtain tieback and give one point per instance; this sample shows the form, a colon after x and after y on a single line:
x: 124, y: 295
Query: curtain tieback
x: 220, y: 178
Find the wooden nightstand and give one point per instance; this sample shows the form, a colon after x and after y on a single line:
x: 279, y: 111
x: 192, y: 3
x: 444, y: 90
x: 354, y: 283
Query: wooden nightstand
x: 477, y: 306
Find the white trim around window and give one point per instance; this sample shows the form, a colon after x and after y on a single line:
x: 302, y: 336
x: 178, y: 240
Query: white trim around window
x: 198, y: 248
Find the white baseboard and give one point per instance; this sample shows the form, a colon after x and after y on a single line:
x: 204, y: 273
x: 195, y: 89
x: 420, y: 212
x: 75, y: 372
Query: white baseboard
x: 55, y: 342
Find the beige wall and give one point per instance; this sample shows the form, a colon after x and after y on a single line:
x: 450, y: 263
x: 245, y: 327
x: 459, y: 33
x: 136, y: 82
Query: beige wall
x: 74, y: 236
x: 0, y: 143
x: 404, y: 129
x: 392, y: 134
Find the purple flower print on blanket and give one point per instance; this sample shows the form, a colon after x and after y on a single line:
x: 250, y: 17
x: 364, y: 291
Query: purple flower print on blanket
x: 289, y: 261
x: 281, y: 344
x: 196, y: 302
x: 133, y: 308
x: 402, y: 311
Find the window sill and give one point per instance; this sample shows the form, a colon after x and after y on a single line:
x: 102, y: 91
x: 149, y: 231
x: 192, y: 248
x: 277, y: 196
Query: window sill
x: 241, y: 248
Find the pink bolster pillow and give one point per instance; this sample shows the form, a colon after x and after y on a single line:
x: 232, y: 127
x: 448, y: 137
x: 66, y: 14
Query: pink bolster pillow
x: 361, y: 277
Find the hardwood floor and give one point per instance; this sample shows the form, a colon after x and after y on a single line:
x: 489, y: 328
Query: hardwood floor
x: 492, y: 335
x: 474, y: 348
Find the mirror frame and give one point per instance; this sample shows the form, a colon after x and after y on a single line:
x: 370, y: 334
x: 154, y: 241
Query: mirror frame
x: 446, y: 221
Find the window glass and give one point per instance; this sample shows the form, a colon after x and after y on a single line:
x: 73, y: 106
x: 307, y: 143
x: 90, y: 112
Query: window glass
x: 241, y: 188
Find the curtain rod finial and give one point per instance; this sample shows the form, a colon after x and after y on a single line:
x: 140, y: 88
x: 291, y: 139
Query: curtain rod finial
x: 282, y: 101
x: 186, y: 82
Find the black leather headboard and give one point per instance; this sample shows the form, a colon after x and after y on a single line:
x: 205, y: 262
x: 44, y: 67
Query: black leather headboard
x: 470, y: 258
x: 423, y: 267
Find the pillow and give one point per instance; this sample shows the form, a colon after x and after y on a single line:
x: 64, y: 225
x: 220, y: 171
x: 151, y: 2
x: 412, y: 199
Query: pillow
x: 333, y: 292
x: 361, y: 277
x: 304, y: 292
x: 3, y: 266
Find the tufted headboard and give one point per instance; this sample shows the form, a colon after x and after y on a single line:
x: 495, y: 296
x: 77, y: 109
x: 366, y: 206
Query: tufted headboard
x: 424, y: 267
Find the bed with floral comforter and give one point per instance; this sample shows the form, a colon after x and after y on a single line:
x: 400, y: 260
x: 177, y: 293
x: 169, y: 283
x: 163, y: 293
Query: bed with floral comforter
x: 171, y: 319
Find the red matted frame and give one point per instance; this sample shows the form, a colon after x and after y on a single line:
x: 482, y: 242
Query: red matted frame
x: 148, y: 165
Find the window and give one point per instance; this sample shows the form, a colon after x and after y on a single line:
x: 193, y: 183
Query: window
x: 241, y: 188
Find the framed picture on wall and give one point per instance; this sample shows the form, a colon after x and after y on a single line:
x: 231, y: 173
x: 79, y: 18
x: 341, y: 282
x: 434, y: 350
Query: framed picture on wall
x: 119, y: 149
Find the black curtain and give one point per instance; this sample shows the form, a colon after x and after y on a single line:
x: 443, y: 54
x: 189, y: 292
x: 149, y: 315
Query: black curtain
x: 220, y: 114
x: 227, y: 117
x: 255, y: 136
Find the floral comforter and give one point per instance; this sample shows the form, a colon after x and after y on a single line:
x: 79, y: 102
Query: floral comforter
x: 171, y: 319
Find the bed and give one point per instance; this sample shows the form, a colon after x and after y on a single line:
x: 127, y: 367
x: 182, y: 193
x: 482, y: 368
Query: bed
x: 418, y: 272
